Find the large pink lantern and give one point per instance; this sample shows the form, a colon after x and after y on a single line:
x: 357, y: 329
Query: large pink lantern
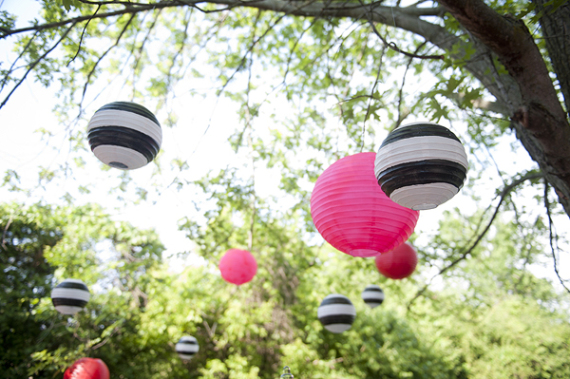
x: 238, y: 266
x: 353, y: 214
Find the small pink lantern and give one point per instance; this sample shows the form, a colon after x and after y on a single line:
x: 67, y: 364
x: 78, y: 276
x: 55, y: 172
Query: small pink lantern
x: 398, y: 263
x: 353, y: 214
x: 238, y: 266
x: 87, y: 368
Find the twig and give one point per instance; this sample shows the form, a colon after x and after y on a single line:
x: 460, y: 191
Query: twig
x: 372, y: 96
x: 394, y: 47
x: 6, y: 231
x: 83, y: 34
x: 551, y: 235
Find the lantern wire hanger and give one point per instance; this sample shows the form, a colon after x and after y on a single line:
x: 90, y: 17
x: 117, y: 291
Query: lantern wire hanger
x: 287, y: 373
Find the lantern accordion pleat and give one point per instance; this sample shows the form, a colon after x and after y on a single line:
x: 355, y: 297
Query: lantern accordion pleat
x: 124, y: 135
x: 238, y: 266
x: 336, y: 313
x: 352, y: 213
x: 398, y: 263
x: 373, y: 295
x: 421, y: 165
x: 87, y: 368
x: 70, y: 296
x: 187, y: 347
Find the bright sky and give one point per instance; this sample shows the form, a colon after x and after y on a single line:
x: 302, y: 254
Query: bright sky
x: 23, y: 150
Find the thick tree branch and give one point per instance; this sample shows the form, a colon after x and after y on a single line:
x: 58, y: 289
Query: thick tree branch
x: 539, y: 119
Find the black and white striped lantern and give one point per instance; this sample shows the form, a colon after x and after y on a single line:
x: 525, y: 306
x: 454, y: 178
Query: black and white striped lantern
x: 421, y: 165
x: 187, y: 347
x: 373, y: 295
x: 336, y: 313
x: 70, y: 296
x: 124, y: 135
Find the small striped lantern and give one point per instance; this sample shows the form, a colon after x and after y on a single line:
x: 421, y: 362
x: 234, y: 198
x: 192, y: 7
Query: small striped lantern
x: 336, y: 313
x: 87, y: 368
x: 238, y: 266
x: 187, y: 347
x: 124, y: 135
x: 398, y: 263
x: 373, y: 296
x: 421, y: 165
x: 352, y: 213
x: 70, y: 296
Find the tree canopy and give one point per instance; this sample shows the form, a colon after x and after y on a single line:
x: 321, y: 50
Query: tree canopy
x: 306, y: 82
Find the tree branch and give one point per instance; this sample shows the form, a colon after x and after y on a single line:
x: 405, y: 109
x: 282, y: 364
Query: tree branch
x: 34, y: 64
x: 467, y: 251
x: 551, y: 236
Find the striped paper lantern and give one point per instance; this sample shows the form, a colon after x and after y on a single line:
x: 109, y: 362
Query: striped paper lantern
x: 336, y: 313
x: 87, y: 368
x: 352, y: 213
x: 398, y: 263
x: 70, y: 296
x: 187, y: 347
x: 421, y: 165
x: 124, y: 135
x: 373, y: 295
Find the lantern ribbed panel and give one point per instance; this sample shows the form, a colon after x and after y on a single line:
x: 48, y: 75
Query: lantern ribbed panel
x: 352, y: 213
x: 70, y: 296
x: 124, y: 135
x: 373, y: 295
x: 336, y: 313
x: 421, y: 165
x: 187, y: 347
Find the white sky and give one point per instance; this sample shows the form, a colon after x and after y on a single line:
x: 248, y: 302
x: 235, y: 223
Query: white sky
x: 23, y: 151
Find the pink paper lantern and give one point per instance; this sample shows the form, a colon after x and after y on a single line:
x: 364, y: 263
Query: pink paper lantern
x: 87, y: 368
x: 238, y: 266
x: 398, y: 263
x: 352, y: 213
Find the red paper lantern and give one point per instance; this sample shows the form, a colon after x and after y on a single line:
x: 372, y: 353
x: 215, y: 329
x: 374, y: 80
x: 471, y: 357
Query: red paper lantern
x: 353, y: 214
x: 398, y: 263
x: 87, y: 368
x: 238, y: 266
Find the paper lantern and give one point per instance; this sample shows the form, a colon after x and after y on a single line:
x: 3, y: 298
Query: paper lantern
x: 336, y: 313
x: 124, y: 135
x: 187, y: 347
x: 70, y: 296
x: 373, y: 295
x: 238, y: 266
x: 398, y: 263
x: 87, y: 368
x: 352, y: 213
x: 421, y: 165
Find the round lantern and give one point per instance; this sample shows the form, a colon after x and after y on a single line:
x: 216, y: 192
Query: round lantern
x: 124, y: 135
x: 398, y: 263
x: 421, y: 165
x: 87, y: 368
x: 373, y: 295
x: 352, y: 213
x: 336, y: 313
x: 187, y: 347
x: 238, y: 266
x: 70, y: 296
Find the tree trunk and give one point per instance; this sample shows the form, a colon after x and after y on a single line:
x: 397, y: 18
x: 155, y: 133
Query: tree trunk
x: 538, y: 118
